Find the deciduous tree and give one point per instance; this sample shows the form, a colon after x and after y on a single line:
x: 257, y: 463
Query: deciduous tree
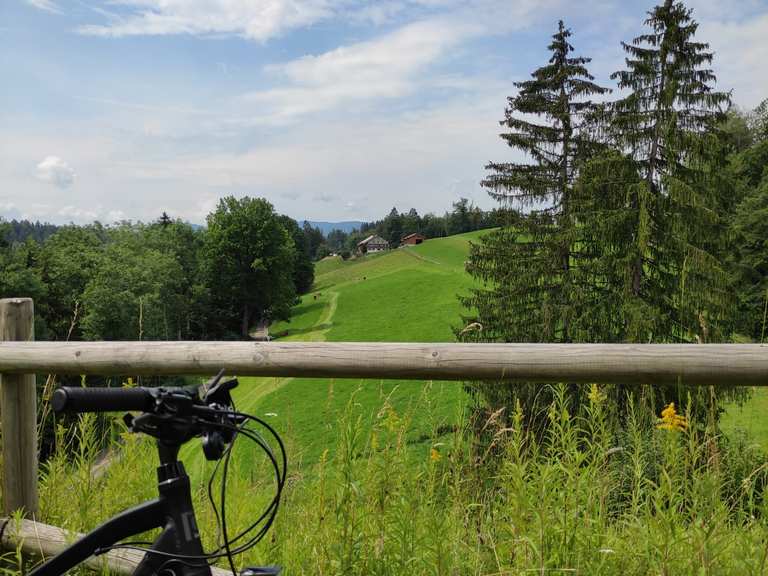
x: 249, y: 258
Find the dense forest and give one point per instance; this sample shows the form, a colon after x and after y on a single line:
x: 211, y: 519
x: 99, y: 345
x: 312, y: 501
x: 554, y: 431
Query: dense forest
x: 164, y: 280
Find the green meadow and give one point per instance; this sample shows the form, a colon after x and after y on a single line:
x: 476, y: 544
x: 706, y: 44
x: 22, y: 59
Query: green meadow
x: 404, y: 295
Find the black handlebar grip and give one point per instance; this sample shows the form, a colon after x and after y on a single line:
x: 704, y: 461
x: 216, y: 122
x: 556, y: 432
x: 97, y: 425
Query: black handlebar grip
x: 72, y: 399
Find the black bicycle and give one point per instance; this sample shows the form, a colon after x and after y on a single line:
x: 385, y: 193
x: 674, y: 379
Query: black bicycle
x: 173, y: 416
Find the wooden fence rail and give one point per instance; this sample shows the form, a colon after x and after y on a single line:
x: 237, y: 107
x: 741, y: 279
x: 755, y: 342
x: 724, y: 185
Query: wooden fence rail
x: 44, y: 541
x: 695, y: 364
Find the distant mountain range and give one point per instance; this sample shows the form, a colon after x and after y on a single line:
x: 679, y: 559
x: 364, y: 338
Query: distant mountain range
x: 326, y: 227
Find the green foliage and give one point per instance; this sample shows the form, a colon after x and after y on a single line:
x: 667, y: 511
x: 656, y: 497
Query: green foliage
x: 70, y: 258
x: 465, y: 217
x: 652, y: 211
x: 19, y: 231
x: 303, y: 268
x: 677, y: 285
x: 631, y: 243
x: 336, y: 240
x: 751, y: 260
x: 758, y: 120
x: 529, y: 292
x: 249, y: 261
x: 20, y: 277
x: 749, y: 254
x: 313, y: 240
x: 132, y: 292
x: 526, y: 269
x: 589, y: 498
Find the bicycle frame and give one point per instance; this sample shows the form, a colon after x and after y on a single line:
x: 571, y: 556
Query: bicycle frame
x: 172, y: 511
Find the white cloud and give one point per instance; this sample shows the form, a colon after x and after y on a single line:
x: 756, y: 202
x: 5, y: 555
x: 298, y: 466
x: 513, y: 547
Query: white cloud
x: 401, y: 52
x: 115, y: 216
x: 203, y: 207
x: 46, y: 5
x: 36, y: 211
x: 54, y: 170
x: 408, y: 159
x: 719, y: 10
x: 262, y: 20
x: 390, y: 66
x: 78, y: 214
x: 8, y: 210
x: 325, y: 197
x: 255, y: 19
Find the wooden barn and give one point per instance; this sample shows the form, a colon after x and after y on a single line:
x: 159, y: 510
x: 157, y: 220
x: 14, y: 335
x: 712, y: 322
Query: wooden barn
x: 373, y: 243
x: 412, y: 239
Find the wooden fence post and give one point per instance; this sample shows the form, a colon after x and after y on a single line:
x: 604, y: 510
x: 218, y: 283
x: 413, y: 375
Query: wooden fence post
x: 18, y: 410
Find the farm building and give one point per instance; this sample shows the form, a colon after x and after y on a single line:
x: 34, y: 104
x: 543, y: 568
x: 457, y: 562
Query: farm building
x: 373, y: 243
x: 412, y: 239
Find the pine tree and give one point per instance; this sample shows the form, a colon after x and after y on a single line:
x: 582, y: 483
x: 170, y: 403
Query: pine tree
x: 666, y: 222
x: 650, y: 210
x: 526, y: 269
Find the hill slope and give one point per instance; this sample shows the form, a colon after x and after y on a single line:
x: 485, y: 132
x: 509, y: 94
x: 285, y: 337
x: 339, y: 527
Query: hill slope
x: 405, y: 295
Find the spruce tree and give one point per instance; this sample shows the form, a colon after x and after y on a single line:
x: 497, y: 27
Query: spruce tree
x: 666, y: 222
x: 650, y: 211
x: 526, y: 274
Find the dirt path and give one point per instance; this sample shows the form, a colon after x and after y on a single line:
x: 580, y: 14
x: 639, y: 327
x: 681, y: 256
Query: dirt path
x: 422, y: 258
x: 266, y: 386
x: 261, y: 332
x: 325, y: 322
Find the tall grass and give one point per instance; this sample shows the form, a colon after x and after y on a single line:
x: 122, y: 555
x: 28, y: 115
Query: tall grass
x: 593, y: 496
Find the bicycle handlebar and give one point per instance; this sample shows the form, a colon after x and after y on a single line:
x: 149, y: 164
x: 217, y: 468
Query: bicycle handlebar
x: 74, y: 399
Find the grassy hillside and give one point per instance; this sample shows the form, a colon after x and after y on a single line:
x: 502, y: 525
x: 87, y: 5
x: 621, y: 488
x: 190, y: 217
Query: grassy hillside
x: 404, y: 295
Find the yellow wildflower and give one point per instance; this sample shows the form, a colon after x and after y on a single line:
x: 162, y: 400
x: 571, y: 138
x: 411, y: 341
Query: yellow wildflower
x: 434, y: 455
x: 671, y: 420
x: 595, y: 395
x: 392, y: 421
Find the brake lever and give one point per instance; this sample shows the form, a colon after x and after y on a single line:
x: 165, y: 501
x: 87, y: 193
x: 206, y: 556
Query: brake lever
x: 220, y: 393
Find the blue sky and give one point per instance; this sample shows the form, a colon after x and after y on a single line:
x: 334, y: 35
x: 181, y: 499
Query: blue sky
x: 331, y: 109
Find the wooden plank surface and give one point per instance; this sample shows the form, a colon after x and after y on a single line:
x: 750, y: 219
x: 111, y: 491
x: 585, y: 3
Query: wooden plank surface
x: 18, y: 407
x: 697, y: 364
x: 44, y: 541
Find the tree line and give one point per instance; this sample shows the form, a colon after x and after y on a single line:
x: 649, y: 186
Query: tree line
x: 164, y: 280
x: 171, y: 280
x: 644, y: 216
x: 463, y: 217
